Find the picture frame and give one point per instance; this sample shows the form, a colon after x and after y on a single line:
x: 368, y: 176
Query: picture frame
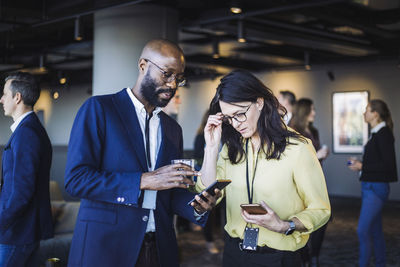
x: 350, y: 131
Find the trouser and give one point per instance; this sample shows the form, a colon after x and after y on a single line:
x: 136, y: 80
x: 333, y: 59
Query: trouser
x: 19, y: 255
x: 148, y: 256
x: 370, y: 233
x: 234, y: 256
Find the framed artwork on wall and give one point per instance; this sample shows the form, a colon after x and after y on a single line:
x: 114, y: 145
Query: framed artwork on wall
x: 350, y: 132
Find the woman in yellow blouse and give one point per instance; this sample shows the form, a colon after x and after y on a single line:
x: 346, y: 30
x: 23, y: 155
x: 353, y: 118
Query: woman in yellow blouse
x: 268, y: 164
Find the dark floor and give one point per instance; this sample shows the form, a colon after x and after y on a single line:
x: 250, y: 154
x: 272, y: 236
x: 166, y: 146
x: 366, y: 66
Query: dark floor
x: 340, y: 247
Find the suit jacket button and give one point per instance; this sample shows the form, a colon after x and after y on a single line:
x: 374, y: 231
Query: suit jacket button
x: 145, y: 218
x: 118, y: 199
x: 122, y: 199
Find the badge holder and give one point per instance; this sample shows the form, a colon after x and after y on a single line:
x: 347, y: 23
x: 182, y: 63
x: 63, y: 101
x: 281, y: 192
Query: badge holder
x: 250, y: 239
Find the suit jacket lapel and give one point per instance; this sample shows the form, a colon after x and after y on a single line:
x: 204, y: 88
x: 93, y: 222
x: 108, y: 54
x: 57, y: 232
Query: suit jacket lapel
x: 126, y: 111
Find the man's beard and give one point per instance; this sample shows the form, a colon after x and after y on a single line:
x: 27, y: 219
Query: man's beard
x: 148, y: 90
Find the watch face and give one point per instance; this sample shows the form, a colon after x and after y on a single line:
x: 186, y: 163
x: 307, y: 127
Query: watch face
x: 291, y: 229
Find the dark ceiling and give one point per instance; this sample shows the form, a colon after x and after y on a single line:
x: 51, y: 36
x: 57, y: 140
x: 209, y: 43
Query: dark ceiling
x: 279, y: 34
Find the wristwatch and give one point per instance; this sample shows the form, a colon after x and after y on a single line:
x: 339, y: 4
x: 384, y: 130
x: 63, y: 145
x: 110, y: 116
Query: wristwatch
x: 292, y: 227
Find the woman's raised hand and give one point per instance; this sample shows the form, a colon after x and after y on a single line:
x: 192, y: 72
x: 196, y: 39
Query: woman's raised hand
x: 213, y: 130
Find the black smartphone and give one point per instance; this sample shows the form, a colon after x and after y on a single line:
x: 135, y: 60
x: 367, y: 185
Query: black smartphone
x: 256, y: 209
x: 220, y: 184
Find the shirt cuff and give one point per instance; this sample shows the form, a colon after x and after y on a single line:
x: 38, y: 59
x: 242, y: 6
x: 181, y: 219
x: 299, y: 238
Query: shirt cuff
x: 198, y: 216
x: 199, y: 186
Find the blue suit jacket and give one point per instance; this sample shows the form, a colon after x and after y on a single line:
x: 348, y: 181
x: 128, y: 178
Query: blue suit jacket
x: 106, y: 158
x: 25, y: 214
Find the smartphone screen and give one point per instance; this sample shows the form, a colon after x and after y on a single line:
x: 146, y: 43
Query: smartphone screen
x: 219, y: 184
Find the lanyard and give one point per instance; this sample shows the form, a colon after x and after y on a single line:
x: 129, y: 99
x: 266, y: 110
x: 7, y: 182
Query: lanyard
x: 250, y: 194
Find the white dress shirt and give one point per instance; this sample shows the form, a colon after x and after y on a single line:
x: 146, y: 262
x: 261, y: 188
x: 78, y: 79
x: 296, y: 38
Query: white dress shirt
x: 150, y: 196
x: 18, y: 121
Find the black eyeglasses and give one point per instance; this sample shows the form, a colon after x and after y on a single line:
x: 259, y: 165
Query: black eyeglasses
x: 240, y: 117
x: 169, y: 76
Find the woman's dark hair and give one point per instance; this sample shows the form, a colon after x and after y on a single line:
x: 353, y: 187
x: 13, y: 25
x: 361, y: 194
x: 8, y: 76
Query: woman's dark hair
x: 242, y: 86
x: 382, y: 109
x: 301, y: 111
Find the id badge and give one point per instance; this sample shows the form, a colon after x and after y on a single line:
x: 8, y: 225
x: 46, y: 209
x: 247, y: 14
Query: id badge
x: 250, y: 239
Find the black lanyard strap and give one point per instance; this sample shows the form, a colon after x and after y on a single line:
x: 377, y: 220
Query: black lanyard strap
x: 250, y: 191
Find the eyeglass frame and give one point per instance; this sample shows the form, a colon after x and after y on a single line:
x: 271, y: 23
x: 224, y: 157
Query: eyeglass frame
x: 168, y: 76
x: 229, y: 119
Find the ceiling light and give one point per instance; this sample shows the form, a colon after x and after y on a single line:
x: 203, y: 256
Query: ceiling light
x: 63, y: 80
x: 241, y: 38
x: 56, y: 95
x: 77, y: 30
x: 216, y: 49
x: 307, y: 65
x: 235, y: 7
x: 236, y: 10
x: 42, y: 68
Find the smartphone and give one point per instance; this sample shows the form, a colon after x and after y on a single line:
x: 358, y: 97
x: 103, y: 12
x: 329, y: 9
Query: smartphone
x: 220, y: 184
x: 256, y: 209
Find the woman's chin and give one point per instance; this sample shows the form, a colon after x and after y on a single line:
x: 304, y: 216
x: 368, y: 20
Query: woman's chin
x: 245, y: 134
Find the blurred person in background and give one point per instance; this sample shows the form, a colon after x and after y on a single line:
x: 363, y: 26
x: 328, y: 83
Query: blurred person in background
x: 377, y: 169
x: 287, y: 99
x: 302, y: 121
x: 199, y: 144
x: 25, y: 213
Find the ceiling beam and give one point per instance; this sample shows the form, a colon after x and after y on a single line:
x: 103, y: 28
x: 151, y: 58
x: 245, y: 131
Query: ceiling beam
x: 267, y: 11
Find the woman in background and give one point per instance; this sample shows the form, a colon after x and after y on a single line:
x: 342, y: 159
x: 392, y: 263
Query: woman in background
x: 198, y: 154
x: 302, y: 122
x: 378, y: 168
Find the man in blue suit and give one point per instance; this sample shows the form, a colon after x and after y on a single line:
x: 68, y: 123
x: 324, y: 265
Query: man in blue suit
x: 119, y: 156
x: 25, y: 214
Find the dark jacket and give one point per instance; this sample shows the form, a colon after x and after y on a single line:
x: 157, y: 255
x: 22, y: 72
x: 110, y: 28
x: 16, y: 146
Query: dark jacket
x: 25, y: 214
x: 379, y: 159
x: 106, y: 158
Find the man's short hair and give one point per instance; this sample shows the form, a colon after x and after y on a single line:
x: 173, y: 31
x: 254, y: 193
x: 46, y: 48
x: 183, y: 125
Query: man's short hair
x: 25, y: 84
x: 289, y: 96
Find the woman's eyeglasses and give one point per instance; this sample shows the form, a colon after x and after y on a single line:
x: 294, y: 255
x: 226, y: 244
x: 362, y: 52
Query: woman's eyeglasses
x: 240, y: 117
x: 168, y: 76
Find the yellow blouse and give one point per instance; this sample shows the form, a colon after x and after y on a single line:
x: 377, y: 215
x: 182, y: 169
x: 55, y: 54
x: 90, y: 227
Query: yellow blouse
x: 293, y: 186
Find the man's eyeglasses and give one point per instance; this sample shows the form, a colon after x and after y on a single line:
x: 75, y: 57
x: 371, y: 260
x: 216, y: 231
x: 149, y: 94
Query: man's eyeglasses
x: 168, y: 76
x: 240, y: 117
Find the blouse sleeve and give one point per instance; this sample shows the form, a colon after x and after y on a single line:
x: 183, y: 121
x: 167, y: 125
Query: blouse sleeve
x: 311, y: 186
x: 221, y: 173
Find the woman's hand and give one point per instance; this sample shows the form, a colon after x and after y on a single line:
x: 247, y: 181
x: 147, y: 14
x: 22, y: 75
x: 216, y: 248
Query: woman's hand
x: 354, y: 164
x: 322, y: 153
x: 213, y: 130
x: 270, y: 220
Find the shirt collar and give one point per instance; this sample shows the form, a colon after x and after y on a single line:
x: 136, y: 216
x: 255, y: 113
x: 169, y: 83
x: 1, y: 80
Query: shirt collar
x: 18, y: 121
x: 378, y: 127
x: 139, y: 106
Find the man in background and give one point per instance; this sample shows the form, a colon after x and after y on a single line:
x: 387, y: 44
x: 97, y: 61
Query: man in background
x: 25, y: 214
x: 287, y: 99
